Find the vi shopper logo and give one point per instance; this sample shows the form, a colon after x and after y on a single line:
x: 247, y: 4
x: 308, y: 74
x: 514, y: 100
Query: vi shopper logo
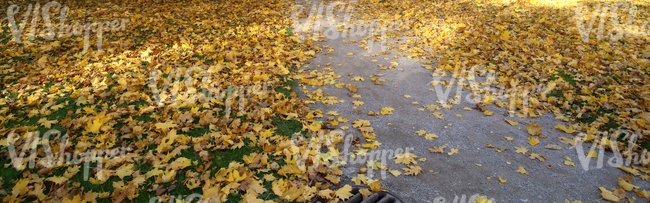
x: 32, y: 15
x: 334, y: 19
x: 609, y: 21
x: 30, y: 142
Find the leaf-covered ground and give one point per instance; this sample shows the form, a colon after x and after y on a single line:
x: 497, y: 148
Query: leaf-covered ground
x: 104, y: 100
x: 224, y: 139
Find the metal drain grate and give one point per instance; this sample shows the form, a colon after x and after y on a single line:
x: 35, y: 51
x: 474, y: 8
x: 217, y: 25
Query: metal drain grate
x: 377, y: 197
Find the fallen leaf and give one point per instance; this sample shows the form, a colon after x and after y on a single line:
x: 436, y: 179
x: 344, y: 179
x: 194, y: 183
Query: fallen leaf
x: 387, y: 110
x: 439, y: 149
x: 534, y: 129
x: 553, y: 146
x: 537, y: 156
x: 420, y: 132
x: 511, y: 122
x: 344, y: 192
x: 608, y: 195
x: 57, y: 179
x: 430, y: 136
x: 533, y: 141
x: 405, y: 158
x: 626, y: 185
x: 522, y: 170
x: 452, y: 151
x: 521, y: 150
x: 412, y: 170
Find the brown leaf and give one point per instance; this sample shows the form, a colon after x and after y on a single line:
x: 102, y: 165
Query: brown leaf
x: 45, y: 171
x: 351, y: 87
x: 160, y: 190
x: 172, y: 186
x: 480, y: 107
x: 553, y: 146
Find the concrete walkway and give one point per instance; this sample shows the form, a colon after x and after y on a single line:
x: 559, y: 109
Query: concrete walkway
x: 476, y: 168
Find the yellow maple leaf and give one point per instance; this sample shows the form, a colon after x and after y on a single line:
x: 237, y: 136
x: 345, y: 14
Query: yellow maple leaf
x: 533, y: 141
x: 421, y: 132
x: 125, y: 170
x: 315, y: 126
x: 165, y: 126
x: 365, y: 193
x: 180, y: 163
x: 255, y: 187
x: 75, y: 199
x: 568, y: 141
x: 326, y: 194
x: 387, y: 110
x: 394, y: 172
x: 357, y: 78
x: 234, y: 176
x: 375, y: 185
x: 405, y: 158
x: 608, y: 195
x: 368, y: 136
x: 569, y: 163
x: 505, y: 35
x: 57, y: 179
x: 537, y: 156
x: 522, y: 170
x: 632, y: 171
x: 343, y: 193
x: 565, y: 129
x: 166, y: 176
x: 521, y: 150
x: 412, y: 170
x: 333, y: 113
x: 192, y: 183
x: 430, y: 136
x: 372, y: 145
x: 167, y: 141
x: 512, y: 122
x: 360, y: 179
x: 438, y: 115
x: 534, y: 129
x: 626, y: 185
x: 94, y: 126
x: 47, y: 124
x: 452, y: 151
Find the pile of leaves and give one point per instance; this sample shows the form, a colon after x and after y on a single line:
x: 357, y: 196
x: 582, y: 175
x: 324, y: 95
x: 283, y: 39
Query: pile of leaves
x: 210, y: 135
